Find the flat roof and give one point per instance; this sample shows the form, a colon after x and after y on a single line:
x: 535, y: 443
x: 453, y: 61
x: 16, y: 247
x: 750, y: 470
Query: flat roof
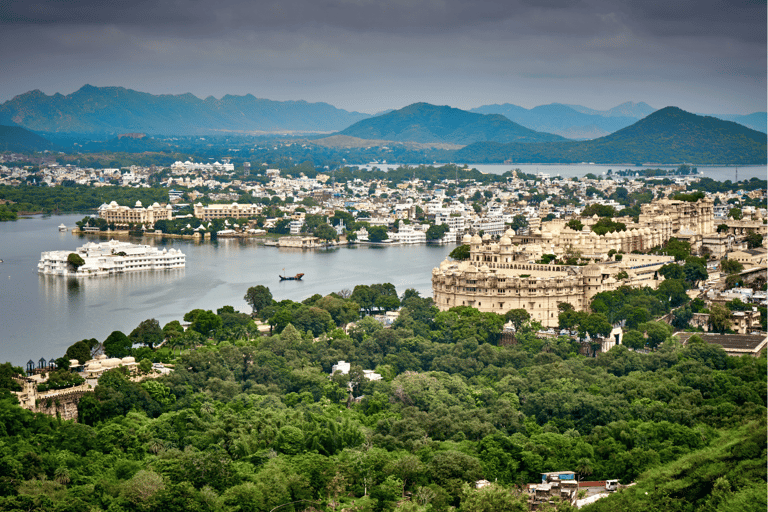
x: 734, y: 344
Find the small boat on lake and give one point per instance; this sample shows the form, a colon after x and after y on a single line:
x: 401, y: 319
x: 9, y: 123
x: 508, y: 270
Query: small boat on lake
x: 297, y: 277
x: 62, y: 227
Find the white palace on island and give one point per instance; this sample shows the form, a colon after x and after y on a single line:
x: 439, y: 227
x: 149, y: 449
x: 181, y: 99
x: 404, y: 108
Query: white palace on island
x: 109, y: 258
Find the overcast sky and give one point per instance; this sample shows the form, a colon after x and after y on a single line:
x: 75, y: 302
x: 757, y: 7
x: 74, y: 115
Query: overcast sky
x: 705, y: 56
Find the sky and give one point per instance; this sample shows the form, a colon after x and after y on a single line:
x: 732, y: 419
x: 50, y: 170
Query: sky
x: 704, y: 56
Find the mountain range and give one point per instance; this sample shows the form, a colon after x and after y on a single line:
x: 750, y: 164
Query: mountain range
x: 669, y: 135
x: 115, y: 110
x: 571, y: 121
x: 109, y: 111
x: 425, y: 123
x: 577, y: 122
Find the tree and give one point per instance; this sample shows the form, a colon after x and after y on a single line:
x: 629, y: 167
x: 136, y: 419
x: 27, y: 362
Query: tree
x: 694, y: 271
x: 575, y: 224
x: 258, y: 297
x: 754, y: 240
x: 519, y: 222
x: 325, y: 232
x: 81, y: 350
x: 172, y: 330
x: 203, y: 321
x: 672, y: 271
x: 719, y: 317
x: 672, y: 290
x: 518, y: 317
x: 75, y: 260
x: 117, y: 344
x: 435, y: 232
x: 731, y: 266
x: 7, y: 371
x: 147, y: 333
x: 460, y: 253
x: 735, y: 213
x: 634, y: 339
x: 377, y: 233
x: 657, y: 332
x: 681, y: 317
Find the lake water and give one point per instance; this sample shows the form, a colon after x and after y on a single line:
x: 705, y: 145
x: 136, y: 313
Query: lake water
x: 719, y: 173
x: 40, y: 316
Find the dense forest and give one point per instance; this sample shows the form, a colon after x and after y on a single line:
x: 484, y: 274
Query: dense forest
x: 252, y: 423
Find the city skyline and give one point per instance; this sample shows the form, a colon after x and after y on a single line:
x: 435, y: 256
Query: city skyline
x: 704, y: 57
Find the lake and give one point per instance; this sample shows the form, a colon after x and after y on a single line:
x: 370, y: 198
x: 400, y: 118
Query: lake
x: 719, y: 173
x: 43, y: 315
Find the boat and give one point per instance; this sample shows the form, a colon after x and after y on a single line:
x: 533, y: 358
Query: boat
x: 62, y: 227
x: 297, y: 277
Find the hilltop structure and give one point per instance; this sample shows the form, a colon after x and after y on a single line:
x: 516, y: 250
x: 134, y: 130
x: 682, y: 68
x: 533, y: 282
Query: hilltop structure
x: 504, y: 275
x: 658, y: 222
x: 500, y: 276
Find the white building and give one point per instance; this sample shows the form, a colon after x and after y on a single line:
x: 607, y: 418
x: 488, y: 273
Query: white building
x: 108, y: 258
x: 408, y: 235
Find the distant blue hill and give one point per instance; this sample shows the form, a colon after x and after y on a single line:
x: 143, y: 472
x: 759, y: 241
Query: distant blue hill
x: 115, y: 110
x: 16, y: 138
x: 669, y: 135
x: 570, y: 121
x: 422, y: 122
x: 579, y: 122
x: 756, y: 120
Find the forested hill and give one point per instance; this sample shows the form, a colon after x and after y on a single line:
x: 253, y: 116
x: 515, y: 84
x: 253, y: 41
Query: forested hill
x: 114, y: 110
x: 669, y: 135
x: 16, y: 138
x: 422, y: 122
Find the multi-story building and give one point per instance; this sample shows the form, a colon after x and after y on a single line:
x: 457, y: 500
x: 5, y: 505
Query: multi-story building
x: 124, y: 215
x: 223, y: 211
x: 499, y: 276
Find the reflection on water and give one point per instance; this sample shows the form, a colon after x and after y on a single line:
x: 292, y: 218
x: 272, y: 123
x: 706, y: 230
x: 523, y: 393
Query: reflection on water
x: 43, y: 315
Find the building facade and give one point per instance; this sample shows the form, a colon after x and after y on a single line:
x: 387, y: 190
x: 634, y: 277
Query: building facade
x: 223, y: 211
x: 124, y: 215
x: 499, y: 276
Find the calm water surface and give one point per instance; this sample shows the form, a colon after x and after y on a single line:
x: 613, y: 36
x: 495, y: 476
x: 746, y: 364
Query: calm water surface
x: 40, y: 316
x: 720, y: 173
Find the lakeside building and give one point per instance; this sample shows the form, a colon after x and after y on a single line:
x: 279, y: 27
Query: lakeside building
x: 409, y: 234
x: 499, y: 276
x: 658, y: 222
x: 108, y: 258
x: 124, y: 215
x: 223, y: 211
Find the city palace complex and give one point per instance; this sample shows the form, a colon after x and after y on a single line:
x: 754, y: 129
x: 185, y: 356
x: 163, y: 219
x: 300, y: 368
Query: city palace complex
x: 503, y: 274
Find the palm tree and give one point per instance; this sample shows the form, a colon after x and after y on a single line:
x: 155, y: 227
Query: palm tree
x: 155, y: 446
x: 61, y: 475
x: 584, y: 467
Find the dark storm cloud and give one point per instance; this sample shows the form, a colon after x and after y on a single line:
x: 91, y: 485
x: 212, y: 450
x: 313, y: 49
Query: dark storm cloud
x: 465, y: 53
x: 738, y: 20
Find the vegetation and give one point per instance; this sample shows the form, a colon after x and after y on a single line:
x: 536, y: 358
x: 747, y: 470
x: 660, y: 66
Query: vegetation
x: 460, y: 253
x: 27, y: 198
x: 667, y: 135
x: 422, y: 122
x: 252, y: 423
